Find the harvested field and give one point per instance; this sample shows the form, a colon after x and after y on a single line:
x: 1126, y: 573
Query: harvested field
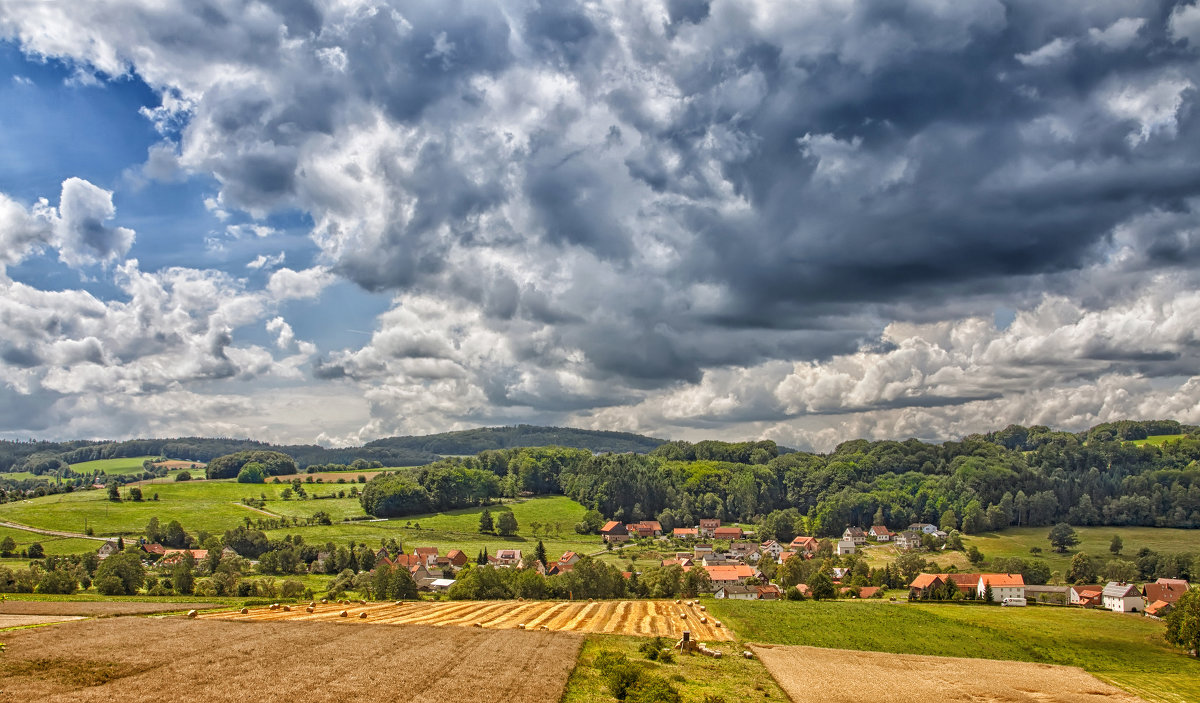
x: 645, y: 618
x: 816, y: 675
x: 93, y: 608
x: 26, y: 620
x: 179, y: 464
x: 149, y: 659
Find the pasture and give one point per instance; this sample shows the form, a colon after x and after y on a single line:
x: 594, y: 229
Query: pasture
x: 1125, y: 650
x: 52, y: 545
x: 1157, y: 440
x: 143, y: 660
x: 113, y: 467
x: 640, y: 617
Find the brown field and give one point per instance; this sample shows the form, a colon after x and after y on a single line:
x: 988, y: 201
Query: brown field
x: 154, y: 659
x: 815, y: 675
x: 645, y: 618
x: 93, y: 608
x: 179, y: 464
x: 7, y: 621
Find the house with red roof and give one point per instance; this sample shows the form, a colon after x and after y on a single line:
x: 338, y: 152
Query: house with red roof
x: 685, y: 533
x: 458, y: 558
x: 708, y: 527
x: 1168, y: 590
x: 924, y: 585
x: 614, y: 531
x: 804, y: 545
x: 730, y: 533
x: 174, y: 556
x: 1002, y: 585
x: 730, y: 575
x: 1159, y: 609
x: 427, y: 555
x: 880, y: 533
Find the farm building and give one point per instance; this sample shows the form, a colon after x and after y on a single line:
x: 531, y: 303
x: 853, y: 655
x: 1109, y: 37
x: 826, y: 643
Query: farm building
x: 865, y: 591
x: 701, y: 549
x: 743, y: 550
x: 685, y: 533
x: 708, y: 527
x: 804, y: 545
x: 1159, y: 609
x: 924, y: 585
x: 730, y: 533
x: 880, y: 533
x: 733, y: 575
x: 1086, y: 596
x: 1168, y: 590
x: 922, y: 527
x: 769, y: 592
x: 174, y: 556
x: 568, y: 558
x: 736, y: 592
x: 856, y: 535
x: 441, y: 585
x: 845, y: 546
x: 1056, y: 595
x: 1123, y: 598
x: 457, y: 558
x: 614, y: 531
x: 771, y: 547
x: 108, y: 549
x: 508, y: 557
x: 1002, y: 585
x: 427, y: 555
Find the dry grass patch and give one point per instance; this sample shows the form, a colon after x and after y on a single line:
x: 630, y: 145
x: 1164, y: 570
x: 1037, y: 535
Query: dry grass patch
x: 149, y: 659
x: 94, y: 608
x: 816, y: 675
x: 7, y: 621
x: 642, y: 618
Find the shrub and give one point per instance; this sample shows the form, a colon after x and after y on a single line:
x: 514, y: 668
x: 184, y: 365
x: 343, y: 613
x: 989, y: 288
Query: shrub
x: 291, y: 588
x: 252, y: 472
x: 183, y: 476
x: 651, y: 689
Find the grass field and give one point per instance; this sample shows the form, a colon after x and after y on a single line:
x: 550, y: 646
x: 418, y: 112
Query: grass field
x: 114, y: 467
x: 52, y: 545
x: 1125, y: 650
x: 730, y: 678
x: 1158, y: 439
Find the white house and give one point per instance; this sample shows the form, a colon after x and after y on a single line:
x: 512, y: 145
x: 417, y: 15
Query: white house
x: 737, y: 593
x: 1003, y: 586
x: 855, y: 534
x: 845, y: 546
x: 923, y: 527
x: 1123, y: 598
x: 908, y: 540
x: 772, y: 547
x: 880, y: 533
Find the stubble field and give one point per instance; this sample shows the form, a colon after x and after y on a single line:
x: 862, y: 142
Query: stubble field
x: 93, y: 608
x: 149, y: 659
x: 813, y: 675
x: 642, y: 618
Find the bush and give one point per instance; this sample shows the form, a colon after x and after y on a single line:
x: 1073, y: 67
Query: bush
x: 252, y: 472
x: 651, y: 689
x: 57, y: 581
x: 183, y: 476
x: 291, y: 588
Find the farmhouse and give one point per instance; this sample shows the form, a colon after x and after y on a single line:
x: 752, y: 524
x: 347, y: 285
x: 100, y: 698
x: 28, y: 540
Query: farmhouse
x: 708, y: 527
x: 508, y: 557
x: 923, y: 527
x: 702, y: 549
x: 457, y: 558
x: 924, y: 585
x: 441, y: 585
x: 807, y: 546
x: 845, y: 546
x: 966, y: 583
x: 908, y: 540
x: 743, y: 550
x: 855, y: 535
x: 154, y: 550
x: 784, y: 556
x: 737, y: 592
x: 427, y: 555
x: 727, y: 533
x: 1159, y: 609
x: 174, y: 556
x: 880, y: 533
x: 614, y: 531
x: 867, y: 591
x: 771, y: 547
x: 1168, y: 590
x: 568, y: 558
x: 1056, y: 595
x: 769, y: 592
x: 685, y: 533
x: 1123, y: 598
x: 734, y: 575
x: 108, y: 549
x: 1076, y: 595
x: 1002, y: 585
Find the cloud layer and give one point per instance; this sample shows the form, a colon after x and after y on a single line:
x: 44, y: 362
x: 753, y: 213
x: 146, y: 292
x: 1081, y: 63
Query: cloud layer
x: 685, y: 217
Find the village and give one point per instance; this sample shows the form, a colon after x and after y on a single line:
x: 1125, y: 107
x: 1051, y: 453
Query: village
x: 736, y: 566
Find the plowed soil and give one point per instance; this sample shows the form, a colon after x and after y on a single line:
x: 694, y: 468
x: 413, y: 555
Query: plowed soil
x: 155, y: 659
x: 645, y: 618
x: 815, y: 675
x: 93, y: 608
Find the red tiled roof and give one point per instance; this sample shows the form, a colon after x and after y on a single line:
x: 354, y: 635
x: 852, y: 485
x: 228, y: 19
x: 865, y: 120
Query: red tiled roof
x: 1168, y: 592
x: 727, y: 532
x: 684, y: 531
x: 1002, y: 580
x: 729, y: 573
x: 925, y: 581
x: 610, y: 525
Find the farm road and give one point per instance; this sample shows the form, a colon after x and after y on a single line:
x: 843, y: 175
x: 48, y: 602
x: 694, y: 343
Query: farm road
x: 51, y: 533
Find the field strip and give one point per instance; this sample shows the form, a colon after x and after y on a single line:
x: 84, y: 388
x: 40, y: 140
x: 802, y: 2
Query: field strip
x: 646, y: 618
x: 816, y: 675
x: 257, y: 510
x: 51, y: 533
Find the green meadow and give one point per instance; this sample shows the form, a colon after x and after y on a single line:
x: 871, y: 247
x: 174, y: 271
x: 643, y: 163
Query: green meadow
x: 51, y: 545
x: 1127, y: 650
x: 1157, y: 440
x: 114, y: 467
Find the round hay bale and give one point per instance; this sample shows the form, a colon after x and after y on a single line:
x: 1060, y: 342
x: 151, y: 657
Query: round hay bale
x: 309, y: 609
x: 274, y: 606
x: 520, y: 599
x: 703, y: 608
x: 192, y: 614
x: 312, y: 604
x: 343, y: 614
x: 476, y: 624
x: 676, y: 601
x: 363, y: 602
x: 717, y: 623
x: 324, y: 600
x: 545, y: 627
x: 362, y: 616
x: 683, y: 616
x: 244, y: 611
x: 399, y: 602
x: 287, y: 608
x: 703, y: 620
x: 520, y: 626
x: 590, y: 600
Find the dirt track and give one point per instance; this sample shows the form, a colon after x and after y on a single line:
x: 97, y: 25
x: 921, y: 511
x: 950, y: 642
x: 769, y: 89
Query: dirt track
x: 152, y: 659
x: 646, y: 618
x: 93, y: 608
x: 815, y: 675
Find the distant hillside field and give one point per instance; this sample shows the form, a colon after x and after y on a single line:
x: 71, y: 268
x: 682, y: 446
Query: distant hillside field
x: 115, y: 467
x: 1158, y: 440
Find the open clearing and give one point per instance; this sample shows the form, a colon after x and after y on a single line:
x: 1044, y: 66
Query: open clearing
x: 149, y: 659
x: 643, y: 618
x: 93, y: 608
x: 811, y: 674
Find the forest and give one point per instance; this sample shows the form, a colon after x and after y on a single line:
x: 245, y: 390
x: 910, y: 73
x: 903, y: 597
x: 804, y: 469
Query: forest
x: 1015, y: 476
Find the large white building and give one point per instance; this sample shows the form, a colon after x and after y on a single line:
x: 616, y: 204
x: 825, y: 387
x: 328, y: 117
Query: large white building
x: 1003, y: 586
x: 1123, y: 598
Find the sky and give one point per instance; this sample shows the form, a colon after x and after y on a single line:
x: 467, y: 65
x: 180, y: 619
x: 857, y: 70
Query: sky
x: 329, y: 221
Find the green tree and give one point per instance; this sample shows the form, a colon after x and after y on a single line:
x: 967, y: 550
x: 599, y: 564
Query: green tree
x: 1062, y: 537
x: 1082, y: 570
x: 1120, y: 570
x: 7, y: 545
x: 949, y: 521
x: 120, y: 575
x: 252, y: 472
x: 821, y: 587
x: 507, y: 524
x: 181, y: 575
x: 135, y: 494
x: 974, y: 555
x: 183, y: 476
x: 1116, y: 545
x: 36, y: 551
x: 486, y: 524
x: 539, y: 552
x: 1183, y: 622
x: 114, y: 493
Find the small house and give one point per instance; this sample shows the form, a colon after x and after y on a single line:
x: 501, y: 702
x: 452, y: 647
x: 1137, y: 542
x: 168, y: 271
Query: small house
x: 427, y: 555
x: 908, y: 540
x: 614, y: 531
x: 1075, y: 595
x: 856, y: 535
x: 880, y: 533
x: 1123, y: 598
x: 729, y: 533
x: 771, y: 547
x: 1168, y: 590
x: 708, y: 527
x: 458, y: 558
x: 702, y: 549
x: 922, y: 527
x: 924, y: 585
x: 769, y: 592
x: 730, y: 575
x: 569, y: 558
x: 441, y: 585
x: 844, y: 546
x: 508, y: 557
x: 685, y: 533
x: 737, y: 592
x: 1159, y: 609
x: 108, y: 549
x: 804, y: 545
x: 1002, y: 585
